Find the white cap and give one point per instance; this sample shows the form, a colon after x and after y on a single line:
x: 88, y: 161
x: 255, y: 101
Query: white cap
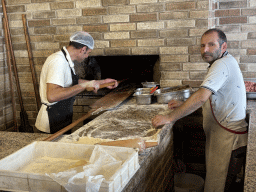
x: 83, y: 38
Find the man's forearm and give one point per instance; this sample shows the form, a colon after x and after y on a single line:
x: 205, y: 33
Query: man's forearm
x: 192, y: 104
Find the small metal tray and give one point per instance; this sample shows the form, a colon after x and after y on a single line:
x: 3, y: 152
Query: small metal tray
x: 251, y: 95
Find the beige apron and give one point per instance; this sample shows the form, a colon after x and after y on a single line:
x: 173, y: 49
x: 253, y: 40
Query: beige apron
x: 218, y: 149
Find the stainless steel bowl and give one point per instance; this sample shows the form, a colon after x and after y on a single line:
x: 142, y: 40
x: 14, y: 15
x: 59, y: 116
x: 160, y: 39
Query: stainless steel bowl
x: 150, y: 84
x: 144, y: 90
x: 143, y: 98
x: 164, y: 95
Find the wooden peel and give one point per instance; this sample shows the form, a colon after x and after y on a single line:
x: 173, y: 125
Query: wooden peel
x: 111, y: 100
x: 102, y: 86
x: 132, y: 143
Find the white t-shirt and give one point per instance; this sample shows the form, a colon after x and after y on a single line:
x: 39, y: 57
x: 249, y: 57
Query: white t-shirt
x: 225, y: 80
x: 56, y: 70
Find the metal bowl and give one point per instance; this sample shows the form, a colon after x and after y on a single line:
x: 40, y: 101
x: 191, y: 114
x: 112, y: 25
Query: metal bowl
x: 150, y: 84
x: 144, y: 90
x: 143, y: 98
x: 165, y: 95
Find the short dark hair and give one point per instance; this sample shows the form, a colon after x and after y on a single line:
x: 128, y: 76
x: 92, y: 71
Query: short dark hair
x: 77, y: 45
x: 221, y: 35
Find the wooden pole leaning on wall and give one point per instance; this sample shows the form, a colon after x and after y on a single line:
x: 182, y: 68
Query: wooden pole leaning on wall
x: 30, y: 55
x: 9, y: 64
x: 24, y: 124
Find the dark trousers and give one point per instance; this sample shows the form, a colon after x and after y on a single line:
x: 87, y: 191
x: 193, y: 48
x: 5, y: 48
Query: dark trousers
x: 237, y: 162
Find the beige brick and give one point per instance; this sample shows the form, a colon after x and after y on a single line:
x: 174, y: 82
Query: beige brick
x: 252, y: 67
x: 115, y: 19
x: 203, y: 5
x: 123, y: 27
x: 199, y: 14
x: 96, y: 52
x: 150, y: 25
x: 86, y: 4
x: 117, y: 35
x: 151, y: 42
x: 194, y: 49
x: 248, y: 59
x: 197, y: 75
x: 114, y: 2
x: 96, y: 28
x: 174, y: 15
x: 176, y: 75
x: 61, y: 37
x: 69, y: 12
x: 123, y: 43
x: 195, y: 58
x: 101, y: 44
x: 150, y: 8
x: 38, y: 7
x: 195, y: 66
x: 174, y: 33
x: 252, y: 19
x: 174, y: 58
x: 249, y: 28
x: 15, y: 2
x: 89, y: 20
x: 62, y: 5
x: 121, y: 10
x: 144, y: 34
x: 180, y: 23
x: 68, y: 29
x: 15, y: 24
x: 145, y: 51
x: 173, y: 50
x: 117, y: 51
x: 42, y: 53
x: 170, y: 83
x: 197, y: 32
x: 143, y: 17
x: 171, y: 67
x: 94, y: 11
x: 236, y: 36
x: 180, y: 6
x: 38, y: 23
x: 44, y: 15
x: 70, y: 21
x: 142, y: 1
x: 181, y: 41
x: 48, y: 45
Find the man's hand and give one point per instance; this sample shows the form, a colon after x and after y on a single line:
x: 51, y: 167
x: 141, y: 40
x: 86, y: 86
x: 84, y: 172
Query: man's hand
x: 91, y: 84
x: 161, y: 120
x: 108, y: 80
x: 173, y: 104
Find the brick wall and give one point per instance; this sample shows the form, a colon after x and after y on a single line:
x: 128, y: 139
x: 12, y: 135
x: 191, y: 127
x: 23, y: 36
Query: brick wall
x: 170, y: 28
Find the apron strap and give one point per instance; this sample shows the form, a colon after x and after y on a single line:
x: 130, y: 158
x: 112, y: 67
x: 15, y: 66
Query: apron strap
x: 232, y: 131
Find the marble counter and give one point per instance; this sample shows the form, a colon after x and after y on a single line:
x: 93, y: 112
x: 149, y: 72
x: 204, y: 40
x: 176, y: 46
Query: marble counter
x: 13, y: 141
x: 250, y: 170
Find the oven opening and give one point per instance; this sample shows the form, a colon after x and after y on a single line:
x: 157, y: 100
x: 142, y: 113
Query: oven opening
x: 134, y: 69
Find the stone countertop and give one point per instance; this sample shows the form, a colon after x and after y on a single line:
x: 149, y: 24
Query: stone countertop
x: 250, y: 170
x: 13, y: 141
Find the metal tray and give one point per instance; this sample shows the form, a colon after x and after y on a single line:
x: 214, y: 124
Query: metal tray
x: 251, y: 95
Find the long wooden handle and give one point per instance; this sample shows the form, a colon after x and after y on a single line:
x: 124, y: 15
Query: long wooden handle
x: 9, y: 63
x: 12, y: 55
x: 38, y: 101
x: 102, y: 86
x: 67, y: 128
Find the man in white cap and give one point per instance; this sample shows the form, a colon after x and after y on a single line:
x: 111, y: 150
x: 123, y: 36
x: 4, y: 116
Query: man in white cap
x: 59, y: 83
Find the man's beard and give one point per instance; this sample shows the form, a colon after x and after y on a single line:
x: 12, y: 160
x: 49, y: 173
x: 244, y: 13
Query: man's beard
x: 211, y: 57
